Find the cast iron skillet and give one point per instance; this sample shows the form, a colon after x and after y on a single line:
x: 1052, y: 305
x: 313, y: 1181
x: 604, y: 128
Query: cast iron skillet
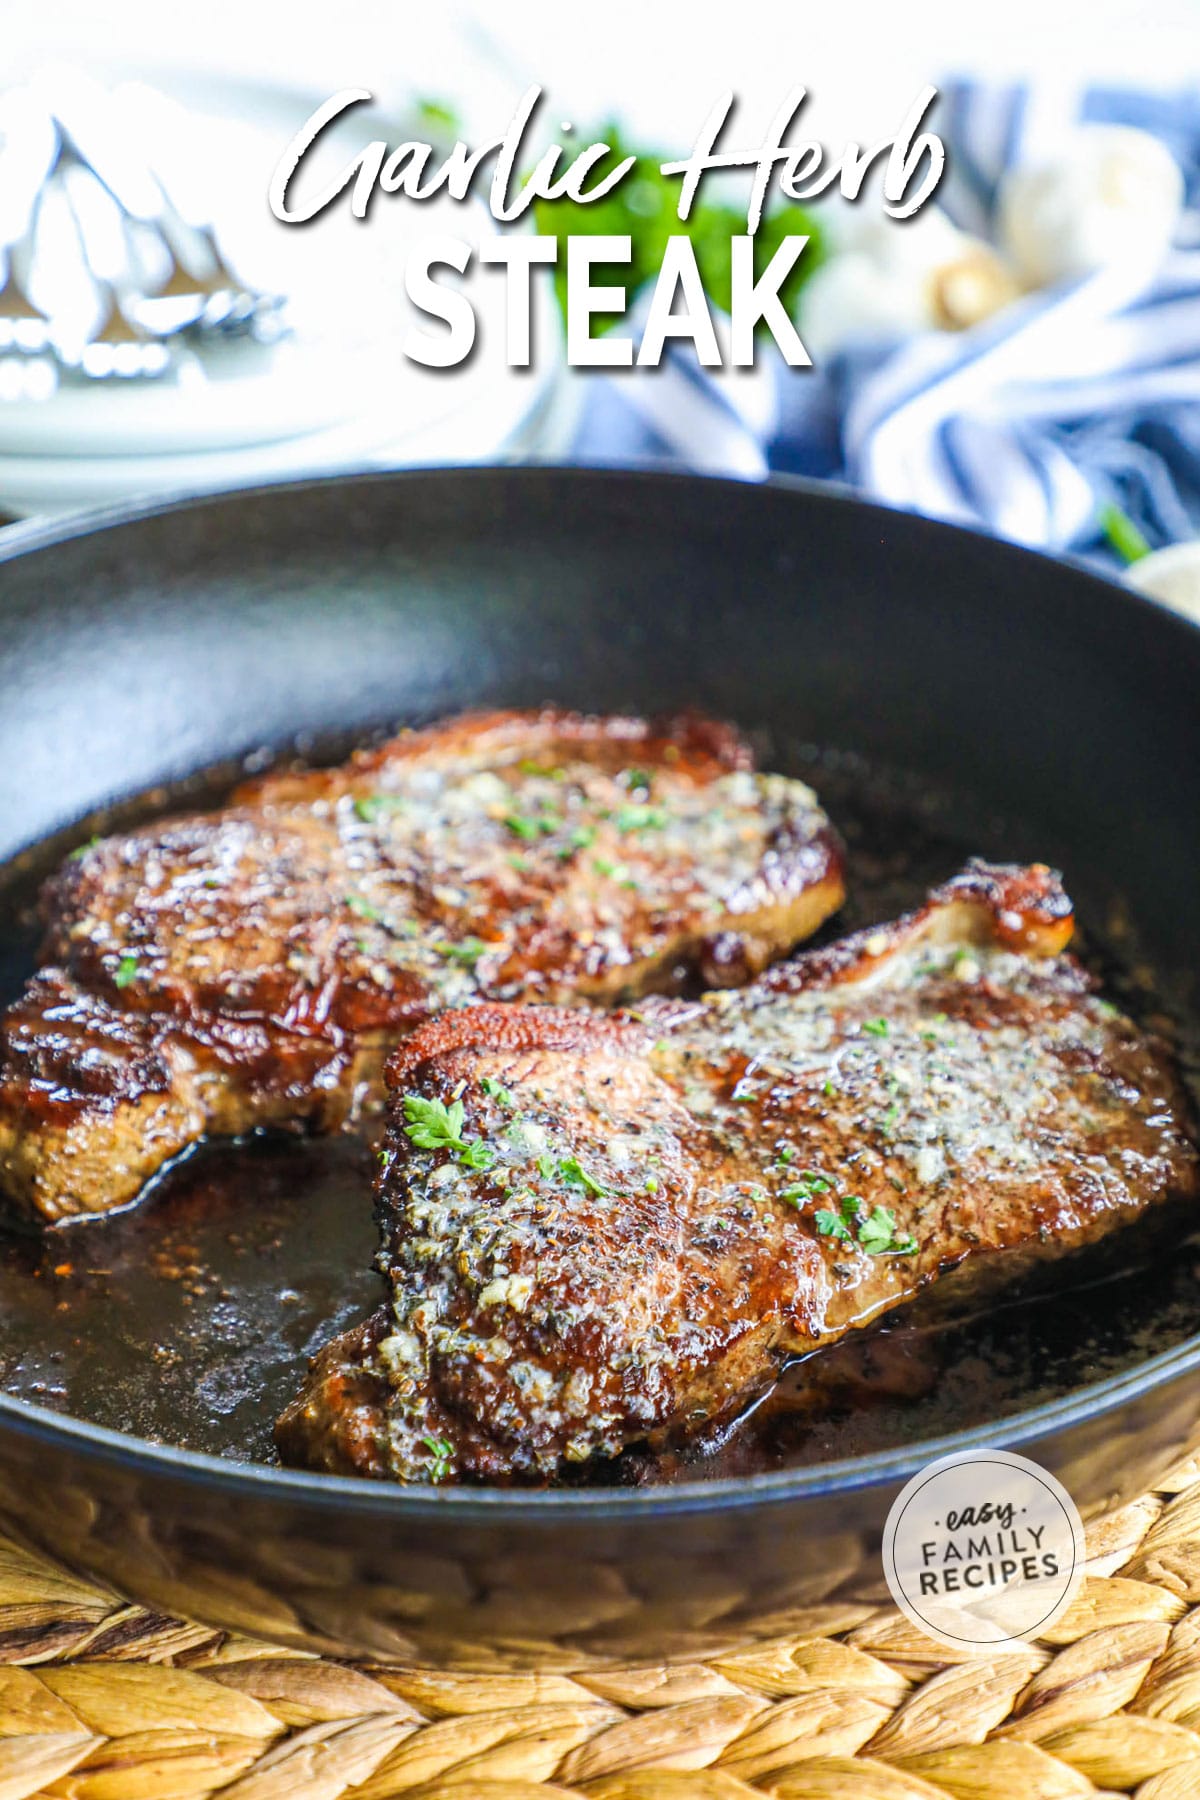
x: 137, y: 648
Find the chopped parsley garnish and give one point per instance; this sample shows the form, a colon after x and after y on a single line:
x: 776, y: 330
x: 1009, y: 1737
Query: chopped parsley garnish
x: 878, y: 1235
x: 518, y: 862
x: 806, y: 1185
x: 370, y: 807
x: 363, y: 907
x: 580, y: 838
x: 82, y: 849
x: 496, y: 1090
x: 888, y: 1122
x: 468, y: 952
x: 549, y: 771
x: 573, y: 1172
x: 636, y: 780
x: 530, y: 826
x: 432, y: 1125
x: 570, y: 1170
x: 441, y: 1452
x: 875, y: 1027
x: 602, y: 866
x: 641, y: 818
x: 126, y: 971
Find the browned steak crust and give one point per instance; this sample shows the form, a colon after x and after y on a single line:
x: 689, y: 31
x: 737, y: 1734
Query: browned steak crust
x: 632, y: 1221
x: 253, y: 966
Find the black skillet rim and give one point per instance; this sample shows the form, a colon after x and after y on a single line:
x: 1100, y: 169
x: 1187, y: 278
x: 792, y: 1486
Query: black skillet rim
x: 127, y: 1453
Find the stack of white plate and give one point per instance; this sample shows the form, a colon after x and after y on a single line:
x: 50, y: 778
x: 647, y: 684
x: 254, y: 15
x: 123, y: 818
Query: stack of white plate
x: 334, y: 393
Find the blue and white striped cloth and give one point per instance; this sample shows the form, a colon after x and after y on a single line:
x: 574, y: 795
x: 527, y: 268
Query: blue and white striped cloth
x: 1027, y: 425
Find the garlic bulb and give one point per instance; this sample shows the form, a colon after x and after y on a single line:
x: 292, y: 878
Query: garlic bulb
x: 892, y: 279
x: 1171, y: 575
x: 1112, y: 193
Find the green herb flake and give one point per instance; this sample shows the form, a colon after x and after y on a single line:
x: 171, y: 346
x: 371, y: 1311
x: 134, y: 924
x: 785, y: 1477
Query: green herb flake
x: 372, y: 807
x: 362, y: 908
x: 529, y: 826
x: 641, y: 818
x: 476, y: 1155
x: 831, y: 1224
x: 573, y: 1172
x: 496, y: 1090
x: 876, y: 1028
x: 878, y: 1235
x: 468, y: 952
x: 126, y: 971
x: 441, y: 1452
x: 81, y: 850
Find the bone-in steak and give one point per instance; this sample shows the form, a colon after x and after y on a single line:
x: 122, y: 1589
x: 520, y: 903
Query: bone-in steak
x: 602, y: 1230
x: 253, y: 966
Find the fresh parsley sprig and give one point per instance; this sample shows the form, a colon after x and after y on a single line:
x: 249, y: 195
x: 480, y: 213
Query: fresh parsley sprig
x: 876, y: 1232
x: 432, y: 1125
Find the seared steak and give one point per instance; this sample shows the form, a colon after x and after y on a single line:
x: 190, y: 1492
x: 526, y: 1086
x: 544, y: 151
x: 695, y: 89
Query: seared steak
x: 253, y: 966
x: 603, y: 1230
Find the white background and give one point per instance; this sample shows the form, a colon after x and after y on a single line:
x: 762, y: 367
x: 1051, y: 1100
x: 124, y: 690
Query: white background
x: 660, y: 63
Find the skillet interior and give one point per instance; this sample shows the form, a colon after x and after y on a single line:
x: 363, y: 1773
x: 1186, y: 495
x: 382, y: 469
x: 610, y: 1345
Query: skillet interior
x: 1063, y: 706
x: 188, y: 1317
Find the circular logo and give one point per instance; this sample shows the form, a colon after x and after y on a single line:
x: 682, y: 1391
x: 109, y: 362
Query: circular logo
x: 983, y: 1549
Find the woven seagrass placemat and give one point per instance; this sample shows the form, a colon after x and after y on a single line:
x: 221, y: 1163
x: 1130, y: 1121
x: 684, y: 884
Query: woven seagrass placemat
x: 100, y: 1700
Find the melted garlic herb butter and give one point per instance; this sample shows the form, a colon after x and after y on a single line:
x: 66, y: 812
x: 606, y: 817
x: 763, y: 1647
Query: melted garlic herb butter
x: 919, y: 1063
x: 570, y: 845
